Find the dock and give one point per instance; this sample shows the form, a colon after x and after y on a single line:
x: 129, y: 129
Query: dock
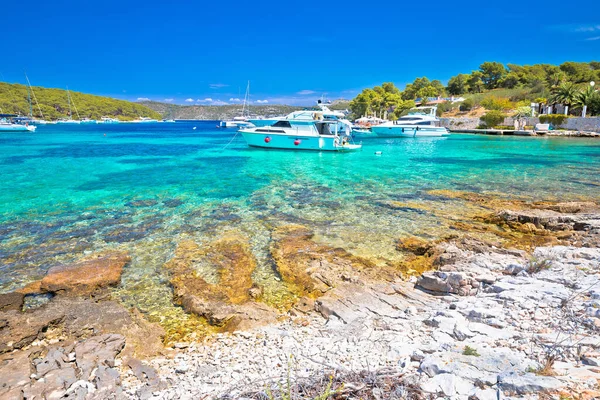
x: 497, y: 132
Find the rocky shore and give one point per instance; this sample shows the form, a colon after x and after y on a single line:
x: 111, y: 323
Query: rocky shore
x: 509, y: 306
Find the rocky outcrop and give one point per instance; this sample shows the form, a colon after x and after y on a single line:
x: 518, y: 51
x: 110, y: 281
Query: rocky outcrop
x: 495, y: 341
x: 85, y: 277
x: 76, y: 317
x: 73, y: 370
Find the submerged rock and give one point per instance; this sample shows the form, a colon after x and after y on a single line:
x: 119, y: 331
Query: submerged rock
x: 227, y: 302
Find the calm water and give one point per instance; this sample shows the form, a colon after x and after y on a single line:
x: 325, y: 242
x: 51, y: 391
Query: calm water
x: 70, y: 191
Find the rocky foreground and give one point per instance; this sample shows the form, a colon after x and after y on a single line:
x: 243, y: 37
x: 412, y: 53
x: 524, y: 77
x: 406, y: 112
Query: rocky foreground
x: 487, y: 322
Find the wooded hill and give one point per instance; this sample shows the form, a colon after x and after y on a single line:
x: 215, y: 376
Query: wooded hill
x: 54, y: 104
x: 207, y: 112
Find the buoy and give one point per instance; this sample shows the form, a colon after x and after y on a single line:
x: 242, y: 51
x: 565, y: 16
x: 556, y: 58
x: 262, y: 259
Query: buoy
x: 378, y: 153
x: 105, y: 134
x: 194, y: 128
x: 267, y: 139
x: 297, y: 142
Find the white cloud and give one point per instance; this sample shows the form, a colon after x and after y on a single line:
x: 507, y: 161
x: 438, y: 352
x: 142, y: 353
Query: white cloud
x: 306, y: 92
x: 594, y: 38
x: 262, y: 101
x: 206, y: 100
x: 189, y: 100
x: 236, y: 99
x: 143, y: 99
x: 587, y: 28
x: 219, y: 103
x: 217, y: 85
x: 169, y: 100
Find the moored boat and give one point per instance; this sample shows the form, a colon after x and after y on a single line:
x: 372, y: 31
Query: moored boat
x: 420, y: 122
x: 302, y: 134
x: 6, y: 125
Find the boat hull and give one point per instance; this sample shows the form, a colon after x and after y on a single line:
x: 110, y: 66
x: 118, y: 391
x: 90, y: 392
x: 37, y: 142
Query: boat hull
x: 409, y: 131
x: 16, y: 128
x: 299, y: 142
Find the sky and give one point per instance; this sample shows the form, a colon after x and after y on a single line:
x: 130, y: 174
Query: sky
x: 199, y: 52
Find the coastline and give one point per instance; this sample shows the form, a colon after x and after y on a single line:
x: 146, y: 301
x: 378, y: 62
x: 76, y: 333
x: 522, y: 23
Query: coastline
x: 498, y: 286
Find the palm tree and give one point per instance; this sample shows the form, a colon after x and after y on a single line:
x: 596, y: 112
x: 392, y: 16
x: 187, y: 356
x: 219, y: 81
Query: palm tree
x: 565, y: 93
x: 585, y: 96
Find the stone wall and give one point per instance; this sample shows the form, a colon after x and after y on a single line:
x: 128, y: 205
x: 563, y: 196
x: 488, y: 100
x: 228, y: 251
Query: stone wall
x: 455, y: 124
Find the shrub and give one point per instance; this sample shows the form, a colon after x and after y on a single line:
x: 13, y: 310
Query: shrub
x: 497, y: 103
x: 469, y: 351
x: 467, y: 105
x: 493, y: 118
x: 554, y: 119
x: 443, y: 107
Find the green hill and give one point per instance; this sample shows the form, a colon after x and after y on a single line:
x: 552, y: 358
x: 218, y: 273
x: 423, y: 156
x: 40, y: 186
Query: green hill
x: 206, y: 112
x: 54, y: 104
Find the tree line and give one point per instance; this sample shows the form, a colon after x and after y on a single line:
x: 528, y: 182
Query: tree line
x: 53, y: 104
x: 513, y: 85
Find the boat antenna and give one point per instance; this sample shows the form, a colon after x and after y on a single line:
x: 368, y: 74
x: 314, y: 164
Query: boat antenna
x: 34, y: 98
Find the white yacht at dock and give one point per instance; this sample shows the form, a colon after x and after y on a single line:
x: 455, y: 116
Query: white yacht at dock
x: 420, y: 122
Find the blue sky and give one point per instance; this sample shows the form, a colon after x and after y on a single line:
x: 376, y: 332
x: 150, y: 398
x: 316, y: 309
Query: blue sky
x: 292, y: 52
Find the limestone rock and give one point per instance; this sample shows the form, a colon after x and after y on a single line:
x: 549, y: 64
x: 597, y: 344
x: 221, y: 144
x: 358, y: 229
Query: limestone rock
x: 84, y: 278
x: 11, y: 301
x: 514, y: 383
x: 96, y: 351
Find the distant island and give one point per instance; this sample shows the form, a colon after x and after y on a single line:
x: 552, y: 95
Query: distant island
x: 221, y: 112
x: 52, y: 104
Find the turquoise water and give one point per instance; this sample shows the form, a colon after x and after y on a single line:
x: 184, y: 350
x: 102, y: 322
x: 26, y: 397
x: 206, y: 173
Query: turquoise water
x: 70, y: 191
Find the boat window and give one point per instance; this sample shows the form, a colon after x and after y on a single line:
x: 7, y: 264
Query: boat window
x: 323, y: 129
x: 424, y: 123
x: 282, y: 124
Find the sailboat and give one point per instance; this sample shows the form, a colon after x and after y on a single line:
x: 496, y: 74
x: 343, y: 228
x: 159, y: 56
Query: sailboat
x: 70, y: 120
x: 241, y: 121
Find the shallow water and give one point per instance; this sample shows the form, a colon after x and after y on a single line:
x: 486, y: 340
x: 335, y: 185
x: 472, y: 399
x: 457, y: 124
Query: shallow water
x: 68, y: 191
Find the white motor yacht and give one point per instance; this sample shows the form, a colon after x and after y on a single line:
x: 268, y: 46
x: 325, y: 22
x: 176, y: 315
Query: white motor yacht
x: 301, y: 133
x: 328, y: 114
x: 420, y: 122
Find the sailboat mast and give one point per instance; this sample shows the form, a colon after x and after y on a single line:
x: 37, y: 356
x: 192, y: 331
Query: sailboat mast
x: 34, y: 98
x: 69, y: 100
x: 29, y: 101
x: 246, y: 100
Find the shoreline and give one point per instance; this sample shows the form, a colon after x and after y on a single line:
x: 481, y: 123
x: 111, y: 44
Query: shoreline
x: 351, y: 319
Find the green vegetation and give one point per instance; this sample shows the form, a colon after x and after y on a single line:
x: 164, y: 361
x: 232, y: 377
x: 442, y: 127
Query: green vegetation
x: 380, y: 100
x: 469, y: 351
x: 493, y: 118
x: 54, y: 104
x: 554, y: 119
x: 495, y: 87
x: 568, y: 84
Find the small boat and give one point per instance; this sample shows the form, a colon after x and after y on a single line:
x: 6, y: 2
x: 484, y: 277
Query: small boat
x: 145, y: 120
x: 420, y: 122
x: 241, y: 121
x: 168, y: 120
x: 313, y: 133
x: 88, y: 121
x: 70, y: 120
x: 109, y: 120
x: 6, y: 125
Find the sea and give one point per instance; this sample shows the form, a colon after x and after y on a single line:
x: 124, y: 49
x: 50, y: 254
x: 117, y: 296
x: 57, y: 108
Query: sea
x: 68, y: 192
